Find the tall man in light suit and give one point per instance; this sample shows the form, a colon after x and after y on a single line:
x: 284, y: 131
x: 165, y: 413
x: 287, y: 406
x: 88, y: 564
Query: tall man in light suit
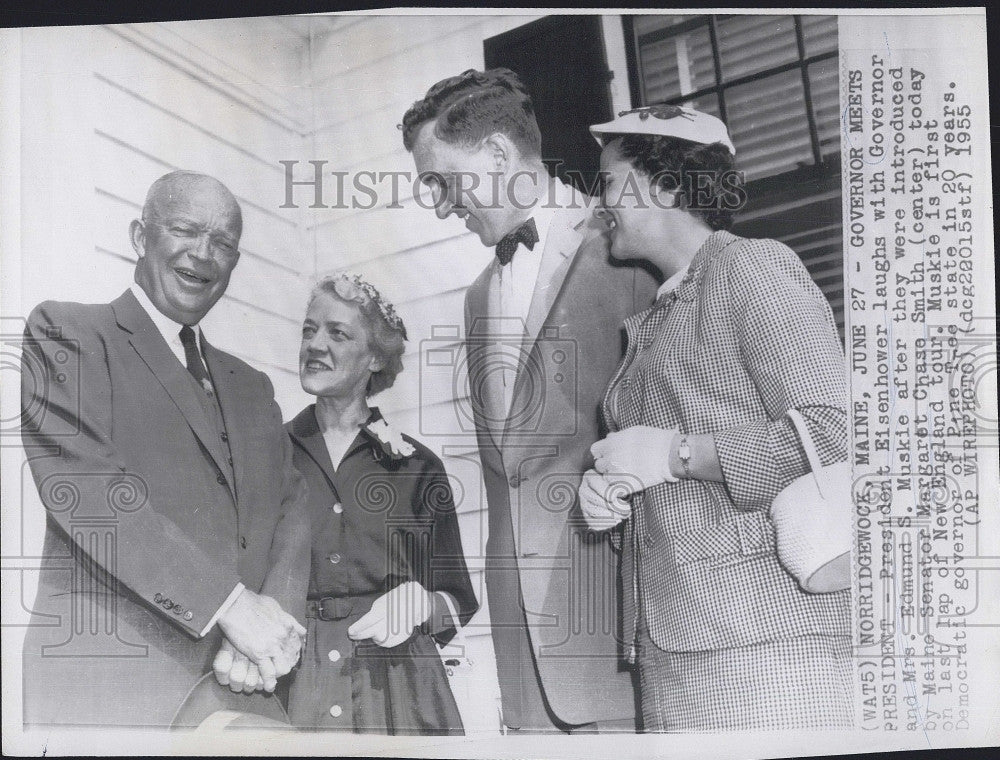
x: 543, y: 332
x: 176, y: 532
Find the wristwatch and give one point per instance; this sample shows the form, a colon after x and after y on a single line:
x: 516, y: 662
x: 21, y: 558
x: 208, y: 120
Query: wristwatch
x: 684, y: 454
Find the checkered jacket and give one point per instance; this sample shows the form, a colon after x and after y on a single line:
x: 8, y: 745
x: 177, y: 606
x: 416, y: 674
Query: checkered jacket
x: 746, y: 336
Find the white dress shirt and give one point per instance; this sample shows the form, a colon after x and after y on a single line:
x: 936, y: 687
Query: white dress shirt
x: 514, y: 287
x: 171, y: 332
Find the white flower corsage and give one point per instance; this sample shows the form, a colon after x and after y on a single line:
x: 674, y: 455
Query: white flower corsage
x: 390, y: 440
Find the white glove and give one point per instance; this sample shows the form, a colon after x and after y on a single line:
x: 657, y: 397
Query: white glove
x: 641, y: 454
x: 603, y: 500
x: 394, y: 615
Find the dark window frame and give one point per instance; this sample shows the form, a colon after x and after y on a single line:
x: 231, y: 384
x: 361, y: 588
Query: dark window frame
x: 802, y: 63
x: 812, y: 183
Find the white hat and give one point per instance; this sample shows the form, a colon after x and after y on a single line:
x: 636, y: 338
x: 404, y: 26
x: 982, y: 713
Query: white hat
x: 667, y: 121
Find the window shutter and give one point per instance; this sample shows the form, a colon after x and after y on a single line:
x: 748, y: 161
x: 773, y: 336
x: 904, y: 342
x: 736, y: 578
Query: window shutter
x: 791, y: 197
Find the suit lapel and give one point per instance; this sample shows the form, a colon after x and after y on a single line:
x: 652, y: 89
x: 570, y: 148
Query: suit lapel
x: 562, y: 243
x: 151, y: 347
x: 485, y: 390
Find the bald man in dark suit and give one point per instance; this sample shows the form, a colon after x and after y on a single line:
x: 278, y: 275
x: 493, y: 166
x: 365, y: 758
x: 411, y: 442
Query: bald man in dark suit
x: 176, y: 532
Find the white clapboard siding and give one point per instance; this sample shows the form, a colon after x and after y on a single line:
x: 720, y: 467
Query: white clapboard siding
x: 427, y: 317
x: 357, y: 110
x: 410, y: 275
x: 177, y: 143
x: 266, y: 342
x: 435, y: 375
x: 362, y: 236
x: 389, y: 58
x: 57, y: 219
x: 123, y: 173
x: 260, y: 52
x: 190, y: 95
x: 376, y: 86
x: 338, y: 54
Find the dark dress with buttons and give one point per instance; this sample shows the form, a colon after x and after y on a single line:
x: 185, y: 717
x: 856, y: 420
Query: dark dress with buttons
x: 377, y: 521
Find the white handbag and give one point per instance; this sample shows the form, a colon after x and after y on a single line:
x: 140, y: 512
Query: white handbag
x: 813, y: 522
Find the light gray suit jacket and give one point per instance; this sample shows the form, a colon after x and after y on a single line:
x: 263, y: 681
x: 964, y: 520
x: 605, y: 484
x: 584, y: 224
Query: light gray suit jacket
x: 534, y: 456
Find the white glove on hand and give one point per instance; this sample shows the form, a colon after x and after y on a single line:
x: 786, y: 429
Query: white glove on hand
x: 640, y: 454
x: 394, y: 615
x: 603, y: 500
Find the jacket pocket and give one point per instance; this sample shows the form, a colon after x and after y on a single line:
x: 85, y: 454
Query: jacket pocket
x: 749, y: 534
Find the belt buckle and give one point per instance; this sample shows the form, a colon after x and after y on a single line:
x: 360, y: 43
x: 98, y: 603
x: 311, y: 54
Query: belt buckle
x: 333, y: 608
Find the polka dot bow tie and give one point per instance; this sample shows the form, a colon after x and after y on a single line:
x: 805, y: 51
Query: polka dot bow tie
x: 527, y: 233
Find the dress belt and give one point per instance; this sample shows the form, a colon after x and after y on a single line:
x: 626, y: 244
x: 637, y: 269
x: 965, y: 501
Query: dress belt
x: 339, y: 607
x: 329, y: 608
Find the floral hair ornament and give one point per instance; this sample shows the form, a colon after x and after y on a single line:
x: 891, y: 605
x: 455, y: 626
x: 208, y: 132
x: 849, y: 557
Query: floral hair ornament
x: 356, y: 286
x: 667, y: 121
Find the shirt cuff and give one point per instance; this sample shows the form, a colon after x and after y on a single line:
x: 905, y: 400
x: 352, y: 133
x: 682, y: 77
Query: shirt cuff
x: 223, y: 608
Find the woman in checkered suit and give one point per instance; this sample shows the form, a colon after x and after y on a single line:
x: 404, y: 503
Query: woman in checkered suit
x: 723, y: 636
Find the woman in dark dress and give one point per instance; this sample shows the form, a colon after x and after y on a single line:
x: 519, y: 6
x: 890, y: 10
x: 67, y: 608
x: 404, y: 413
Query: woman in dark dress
x: 388, y: 576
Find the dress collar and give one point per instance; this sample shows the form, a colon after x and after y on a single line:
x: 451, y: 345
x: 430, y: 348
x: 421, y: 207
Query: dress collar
x: 687, y: 288
x: 671, y: 283
x: 304, y: 429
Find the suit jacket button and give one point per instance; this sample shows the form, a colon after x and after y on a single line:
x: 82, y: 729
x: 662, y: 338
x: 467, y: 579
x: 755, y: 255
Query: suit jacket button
x: 178, y: 609
x: 243, y: 542
x: 157, y: 597
x: 334, y: 558
x: 514, y: 481
x: 224, y: 437
x: 188, y: 615
x: 221, y: 479
x: 168, y: 604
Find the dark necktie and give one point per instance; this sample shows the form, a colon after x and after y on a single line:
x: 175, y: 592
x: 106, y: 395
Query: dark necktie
x: 194, y: 363
x: 527, y: 233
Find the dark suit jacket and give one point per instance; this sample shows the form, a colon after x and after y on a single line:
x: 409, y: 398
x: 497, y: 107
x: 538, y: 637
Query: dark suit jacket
x: 149, y: 526
x: 533, y: 461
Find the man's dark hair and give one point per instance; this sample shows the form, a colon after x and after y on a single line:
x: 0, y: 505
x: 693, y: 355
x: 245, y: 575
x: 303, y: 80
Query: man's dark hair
x: 472, y: 106
x: 676, y: 163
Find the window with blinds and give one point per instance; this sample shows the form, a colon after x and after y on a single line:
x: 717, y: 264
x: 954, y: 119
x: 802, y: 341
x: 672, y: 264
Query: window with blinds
x: 774, y: 81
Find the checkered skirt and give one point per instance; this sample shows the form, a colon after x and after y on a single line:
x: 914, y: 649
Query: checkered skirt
x: 800, y: 683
